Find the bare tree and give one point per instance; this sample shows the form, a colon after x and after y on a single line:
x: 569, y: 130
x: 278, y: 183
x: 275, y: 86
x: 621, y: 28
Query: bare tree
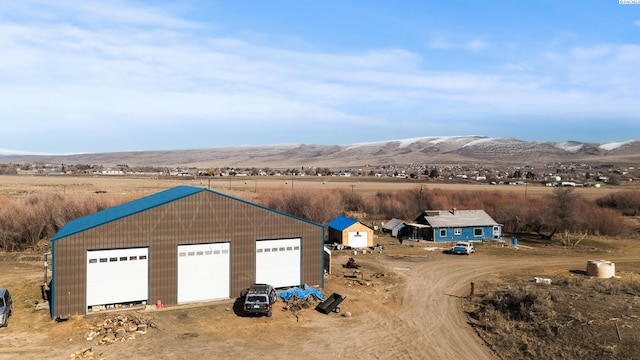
x: 562, y: 214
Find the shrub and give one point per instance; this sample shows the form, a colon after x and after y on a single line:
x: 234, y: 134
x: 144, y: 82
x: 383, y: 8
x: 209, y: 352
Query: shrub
x: 26, y: 222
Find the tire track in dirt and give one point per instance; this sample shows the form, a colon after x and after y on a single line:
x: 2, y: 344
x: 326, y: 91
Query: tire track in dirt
x: 429, y: 322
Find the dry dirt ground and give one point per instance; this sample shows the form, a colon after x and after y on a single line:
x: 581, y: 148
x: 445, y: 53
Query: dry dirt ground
x: 407, y: 302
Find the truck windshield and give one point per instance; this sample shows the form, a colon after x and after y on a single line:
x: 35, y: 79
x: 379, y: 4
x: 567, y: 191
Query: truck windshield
x: 1, y: 302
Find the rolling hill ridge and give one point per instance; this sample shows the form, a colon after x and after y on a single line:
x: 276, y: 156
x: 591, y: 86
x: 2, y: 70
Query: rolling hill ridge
x: 427, y: 150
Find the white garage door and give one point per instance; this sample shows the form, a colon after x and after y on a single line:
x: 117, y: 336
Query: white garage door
x: 278, y: 262
x: 203, y: 272
x: 358, y: 239
x: 117, y: 276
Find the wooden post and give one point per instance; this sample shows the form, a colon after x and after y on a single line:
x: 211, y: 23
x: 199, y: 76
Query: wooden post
x: 472, y: 290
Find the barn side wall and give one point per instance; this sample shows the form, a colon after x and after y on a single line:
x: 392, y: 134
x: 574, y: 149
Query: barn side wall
x: 204, y: 217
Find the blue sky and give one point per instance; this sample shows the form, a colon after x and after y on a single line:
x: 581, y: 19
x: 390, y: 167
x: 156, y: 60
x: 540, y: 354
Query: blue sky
x: 94, y: 76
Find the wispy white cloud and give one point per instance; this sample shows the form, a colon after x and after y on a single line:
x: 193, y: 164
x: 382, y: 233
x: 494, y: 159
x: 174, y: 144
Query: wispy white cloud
x: 471, y: 45
x: 141, y: 65
x: 590, y: 53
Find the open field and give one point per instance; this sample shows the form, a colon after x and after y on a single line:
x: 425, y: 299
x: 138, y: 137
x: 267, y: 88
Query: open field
x: 17, y: 186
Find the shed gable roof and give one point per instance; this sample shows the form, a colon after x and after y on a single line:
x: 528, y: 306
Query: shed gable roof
x: 455, y: 218
x: 341, y: 222
x: 392, y: 224
x: 126, y: 209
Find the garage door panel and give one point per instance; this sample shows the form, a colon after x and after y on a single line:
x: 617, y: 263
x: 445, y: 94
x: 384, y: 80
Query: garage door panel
x: 203, y: 272
x: 358, y: 239
x: 117, y: 276
x: 278, y: 262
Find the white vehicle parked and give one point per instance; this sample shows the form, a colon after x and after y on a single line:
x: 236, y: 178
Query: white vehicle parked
x: 463, y: 247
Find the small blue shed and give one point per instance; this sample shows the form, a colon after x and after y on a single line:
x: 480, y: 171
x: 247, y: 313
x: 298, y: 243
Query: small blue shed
x: 351, y: 232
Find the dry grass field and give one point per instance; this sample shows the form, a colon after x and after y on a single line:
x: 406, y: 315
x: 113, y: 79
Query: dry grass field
x: 18, y: 186
x: 409, y: 301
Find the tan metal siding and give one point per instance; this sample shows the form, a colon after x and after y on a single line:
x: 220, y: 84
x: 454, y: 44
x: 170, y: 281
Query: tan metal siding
x: 200, y: 218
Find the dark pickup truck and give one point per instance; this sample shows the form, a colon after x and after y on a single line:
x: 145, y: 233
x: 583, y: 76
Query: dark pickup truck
x: 259, y: 299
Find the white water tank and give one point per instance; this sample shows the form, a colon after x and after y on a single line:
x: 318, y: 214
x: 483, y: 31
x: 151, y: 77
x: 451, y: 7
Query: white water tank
x: 601, y: 269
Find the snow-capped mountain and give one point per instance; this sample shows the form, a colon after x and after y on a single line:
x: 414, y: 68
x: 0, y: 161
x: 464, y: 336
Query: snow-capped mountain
x: 427, y: 150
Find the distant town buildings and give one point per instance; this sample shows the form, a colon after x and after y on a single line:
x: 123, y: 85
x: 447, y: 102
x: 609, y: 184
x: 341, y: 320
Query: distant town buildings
x: 555, y: 174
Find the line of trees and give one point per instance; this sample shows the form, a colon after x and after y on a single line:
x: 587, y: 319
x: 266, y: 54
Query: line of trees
x: 564, y: 211
x: 25, y: 223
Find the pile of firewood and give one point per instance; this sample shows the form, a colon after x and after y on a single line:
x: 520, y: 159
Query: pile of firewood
x: 119, y: 327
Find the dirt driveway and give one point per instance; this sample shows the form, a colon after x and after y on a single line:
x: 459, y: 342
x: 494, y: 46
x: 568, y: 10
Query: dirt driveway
x: 406, y: 303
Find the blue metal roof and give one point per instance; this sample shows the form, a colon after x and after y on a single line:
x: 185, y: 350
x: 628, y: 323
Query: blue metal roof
x: 124, y: 210
x: 341, y: 222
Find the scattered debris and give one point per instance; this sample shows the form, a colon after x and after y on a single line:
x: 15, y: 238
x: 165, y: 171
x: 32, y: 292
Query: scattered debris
x: 42, y: 305
x: 298, y: 298
x: 82, y: 354
x: 119, y: 327
x: 543, y: 281
x: 295, y: 304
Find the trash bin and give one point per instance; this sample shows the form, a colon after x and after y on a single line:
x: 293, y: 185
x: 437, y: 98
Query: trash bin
x: 515, y: 241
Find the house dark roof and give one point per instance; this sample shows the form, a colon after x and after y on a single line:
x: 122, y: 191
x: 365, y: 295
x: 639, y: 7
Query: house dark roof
x: 456, y: 218
x: 392, y: 224
x: 126, y: 209
x: 341, y: 222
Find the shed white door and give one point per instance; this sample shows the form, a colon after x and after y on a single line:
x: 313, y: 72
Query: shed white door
x: 203, y: 272
x: 117, y: 276
x: 278, y: 262
x: 357, y: 239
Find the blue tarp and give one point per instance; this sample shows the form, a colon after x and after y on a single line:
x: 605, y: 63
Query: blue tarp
x: 300, y: 293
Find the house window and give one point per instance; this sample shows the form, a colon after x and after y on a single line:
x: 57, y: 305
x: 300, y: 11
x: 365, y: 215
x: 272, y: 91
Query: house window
x: 443, y: 232
x: 477, y: 232
x: 457, y: 231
